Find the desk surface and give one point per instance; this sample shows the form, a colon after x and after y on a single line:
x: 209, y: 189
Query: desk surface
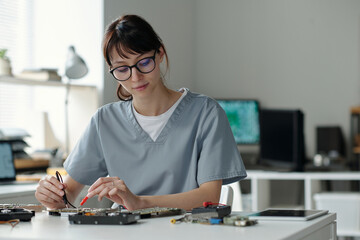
x: 17, y: 189
x: 260, y: 174
x: 43, y: 226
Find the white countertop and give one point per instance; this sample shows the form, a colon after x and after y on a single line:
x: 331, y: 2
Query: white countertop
x: 43, y: 226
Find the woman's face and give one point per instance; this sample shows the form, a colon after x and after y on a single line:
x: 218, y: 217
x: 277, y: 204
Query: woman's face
x: 139, y: 84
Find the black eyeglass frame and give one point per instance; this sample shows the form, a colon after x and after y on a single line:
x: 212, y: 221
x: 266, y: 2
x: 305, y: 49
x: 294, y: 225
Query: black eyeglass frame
x: 134, y: 66
x: 66, y: 201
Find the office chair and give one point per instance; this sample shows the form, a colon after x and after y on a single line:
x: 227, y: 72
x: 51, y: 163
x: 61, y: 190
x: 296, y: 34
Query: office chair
x: 231, y: 195
x: 226, y: 195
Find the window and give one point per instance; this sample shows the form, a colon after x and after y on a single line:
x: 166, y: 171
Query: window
x: 37, y: 35
x: 16, y: 31
x: 16, y: 36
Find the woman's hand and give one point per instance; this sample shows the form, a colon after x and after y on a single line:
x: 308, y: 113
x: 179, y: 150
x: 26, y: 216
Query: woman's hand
x: 50, y: 192
x: 116, y: 190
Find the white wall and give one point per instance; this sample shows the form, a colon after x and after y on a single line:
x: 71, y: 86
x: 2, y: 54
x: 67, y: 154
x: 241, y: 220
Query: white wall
x: 287, y: 54
x: 174, y: 22
x: 59, y: 24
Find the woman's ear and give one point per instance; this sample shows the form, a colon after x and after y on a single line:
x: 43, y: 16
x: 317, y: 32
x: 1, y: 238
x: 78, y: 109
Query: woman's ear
x: 161, y: 53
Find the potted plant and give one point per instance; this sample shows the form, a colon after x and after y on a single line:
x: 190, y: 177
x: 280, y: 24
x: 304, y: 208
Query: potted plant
x: 5, y: 66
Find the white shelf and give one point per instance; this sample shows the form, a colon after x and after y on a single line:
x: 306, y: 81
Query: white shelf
x: 54, y: 83
x: 261, y: 194
x: 341, y: 233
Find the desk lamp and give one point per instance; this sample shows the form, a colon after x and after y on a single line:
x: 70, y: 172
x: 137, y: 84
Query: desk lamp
x: 75, y: 68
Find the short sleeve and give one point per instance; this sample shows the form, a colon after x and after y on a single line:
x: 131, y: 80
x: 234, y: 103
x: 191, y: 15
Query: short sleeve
x: 86, y: 163
x: 219, y: 156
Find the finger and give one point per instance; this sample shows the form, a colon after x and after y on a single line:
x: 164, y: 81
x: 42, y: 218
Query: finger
x: 49, y: 194
x: 101, y: 181
x: 53, y: 204
x: 53, y: 180
x: 104, y: 193
x: 120, y: 184
x: 50, y: 187
x: 44, y: 199
x: 113, y: 192
x: 115, y: 196
x: 100, y: 188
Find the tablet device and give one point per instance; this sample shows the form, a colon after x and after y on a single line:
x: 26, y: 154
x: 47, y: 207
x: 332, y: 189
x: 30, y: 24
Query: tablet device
x: 287, y: 214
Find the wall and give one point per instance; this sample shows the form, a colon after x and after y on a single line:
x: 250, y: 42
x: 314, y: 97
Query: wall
x: 174, y: 22
x: 59, y: 24
x: 287, y: 54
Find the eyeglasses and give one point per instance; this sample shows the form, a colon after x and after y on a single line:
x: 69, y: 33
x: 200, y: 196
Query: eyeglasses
x: 145, y: 65
x: 66, y: 201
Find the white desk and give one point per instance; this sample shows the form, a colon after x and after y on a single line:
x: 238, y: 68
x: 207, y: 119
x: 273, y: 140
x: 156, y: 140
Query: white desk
x: 43, y: 226
x: 24, y: 194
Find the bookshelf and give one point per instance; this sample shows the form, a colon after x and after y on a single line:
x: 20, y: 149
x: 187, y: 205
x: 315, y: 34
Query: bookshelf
x: 55, y: 83
x: 39, y: 107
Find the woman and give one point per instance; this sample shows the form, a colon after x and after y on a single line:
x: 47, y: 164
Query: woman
x: 157, y: 147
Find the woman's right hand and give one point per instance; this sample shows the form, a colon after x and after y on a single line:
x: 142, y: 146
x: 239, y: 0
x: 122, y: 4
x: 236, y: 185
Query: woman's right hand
x: 50, y: 192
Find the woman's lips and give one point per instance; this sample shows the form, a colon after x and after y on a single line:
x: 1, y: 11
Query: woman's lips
x: 141, y: 87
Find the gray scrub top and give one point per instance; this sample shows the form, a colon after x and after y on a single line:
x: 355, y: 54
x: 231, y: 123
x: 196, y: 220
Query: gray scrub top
x: 195, y: 146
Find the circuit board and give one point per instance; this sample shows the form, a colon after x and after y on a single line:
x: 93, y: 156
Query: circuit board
x: 112, y: 216
x: 71, y: 211
x: 144, y: 213
x: 158, y: 212
x: 7, y: 214
x: 31, y: 207
x: 108, y: 218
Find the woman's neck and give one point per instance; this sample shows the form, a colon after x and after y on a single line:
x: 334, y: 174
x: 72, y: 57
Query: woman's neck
x: 160, y: 101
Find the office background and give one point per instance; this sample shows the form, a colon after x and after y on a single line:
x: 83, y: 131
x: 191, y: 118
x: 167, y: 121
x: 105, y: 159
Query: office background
x: 286, y: 54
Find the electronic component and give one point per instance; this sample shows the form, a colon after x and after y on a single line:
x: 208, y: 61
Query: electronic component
x: 108, y: 218
x: 215, y: 220
x: 144, y: 213
x: 32, y: 207
x: 240, y: 221
x: 7, y: 214
x: 69, y: 211
x: 211, y: 211
x: 158, y: 212
x: 112, y: 215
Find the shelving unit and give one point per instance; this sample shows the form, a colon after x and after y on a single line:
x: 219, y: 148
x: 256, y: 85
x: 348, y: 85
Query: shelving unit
x: 355, y: 136
x: 44, y: 113
x: 55, y: 83
x: 261, y: 194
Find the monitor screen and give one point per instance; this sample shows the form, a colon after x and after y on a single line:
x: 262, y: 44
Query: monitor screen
x: 7, y: 169
x: 282, y: 138
x: 243, y: 116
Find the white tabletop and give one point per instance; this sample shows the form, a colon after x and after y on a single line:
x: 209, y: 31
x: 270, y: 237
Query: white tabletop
x: 43, y: 226
x: 15, y: 190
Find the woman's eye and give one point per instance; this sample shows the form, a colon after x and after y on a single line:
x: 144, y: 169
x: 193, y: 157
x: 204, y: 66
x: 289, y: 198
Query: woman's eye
x: 122, y: 69
x: 144, y: 62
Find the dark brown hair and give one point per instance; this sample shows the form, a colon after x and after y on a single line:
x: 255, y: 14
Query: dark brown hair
x: 130, y: 34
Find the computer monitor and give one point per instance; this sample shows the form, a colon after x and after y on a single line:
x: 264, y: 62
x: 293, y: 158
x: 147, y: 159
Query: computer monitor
x: 243, y: 116
x: 7, y: 168
x: 282, y: 139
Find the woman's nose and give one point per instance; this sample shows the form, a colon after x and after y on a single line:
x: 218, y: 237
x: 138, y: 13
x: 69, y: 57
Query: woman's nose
x: 136, y: 75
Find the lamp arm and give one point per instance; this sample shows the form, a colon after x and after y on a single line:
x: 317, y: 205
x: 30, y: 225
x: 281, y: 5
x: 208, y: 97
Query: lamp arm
x: 67, y: 134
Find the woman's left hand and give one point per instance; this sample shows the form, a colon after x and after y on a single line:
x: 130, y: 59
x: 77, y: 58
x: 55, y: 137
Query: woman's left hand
x: 116, y: 190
